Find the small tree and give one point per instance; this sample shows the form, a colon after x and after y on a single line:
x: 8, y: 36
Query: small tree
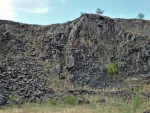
x: 140, y: 16
x: 99, y: 11
x: 81, y: 13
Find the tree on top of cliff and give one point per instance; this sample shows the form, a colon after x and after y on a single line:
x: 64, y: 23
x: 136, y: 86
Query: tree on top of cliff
x: 140, y: 16
x: 99, y: 11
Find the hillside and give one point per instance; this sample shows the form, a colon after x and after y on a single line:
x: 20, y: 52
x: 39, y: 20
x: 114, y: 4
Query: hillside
x: 80, y: 51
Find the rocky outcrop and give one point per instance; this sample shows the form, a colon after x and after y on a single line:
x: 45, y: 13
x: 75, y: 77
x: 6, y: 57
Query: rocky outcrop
x: 22, y: 81
x: 134, y: 26
x: 77, y: 51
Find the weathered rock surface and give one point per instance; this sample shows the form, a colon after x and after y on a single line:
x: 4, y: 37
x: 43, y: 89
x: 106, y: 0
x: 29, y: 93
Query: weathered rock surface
x: 21, y: 81
x: 29, y: 54
x: 147, y: 111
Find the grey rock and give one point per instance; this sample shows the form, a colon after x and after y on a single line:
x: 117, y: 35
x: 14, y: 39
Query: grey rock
x: 83, y: 101
x: 101, y: 100
x: 70, y: 61
x: 3, y: 100
x: 57, y: 70
x: 147, y: 111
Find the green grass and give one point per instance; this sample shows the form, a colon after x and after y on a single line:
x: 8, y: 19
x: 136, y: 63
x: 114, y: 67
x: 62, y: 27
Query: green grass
x: 112, y: 105
x: 70, y: 100
x: 136, y: 102
x: 53, y: 102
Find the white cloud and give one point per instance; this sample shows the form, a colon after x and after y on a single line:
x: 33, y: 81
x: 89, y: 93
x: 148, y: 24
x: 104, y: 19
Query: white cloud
x: 6, y: 10
x: 33, y: 6
x: 9, y: 9
x: 41, y: 10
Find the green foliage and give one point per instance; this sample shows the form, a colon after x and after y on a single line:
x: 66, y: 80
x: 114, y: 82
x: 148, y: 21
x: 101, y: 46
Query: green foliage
x: 99, y: 11
x: 137, y: 102
x: 111, y: 69
x: 14, y: 96
x: 70, y: 100
x: 53, y: 102
x: 140, y: 16
x: 81, y: 13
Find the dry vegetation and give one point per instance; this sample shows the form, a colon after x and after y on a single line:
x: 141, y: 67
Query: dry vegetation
x: 112, y: 105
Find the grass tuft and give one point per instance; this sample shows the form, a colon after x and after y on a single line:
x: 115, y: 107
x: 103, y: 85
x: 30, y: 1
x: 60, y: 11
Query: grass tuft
x: 70, y: 100
x: 111, y: 69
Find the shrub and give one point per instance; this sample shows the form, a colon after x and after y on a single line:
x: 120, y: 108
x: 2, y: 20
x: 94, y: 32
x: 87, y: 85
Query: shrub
x: 53, y: 102
x: 14, y: 96
x: 70, y: 100
x: 111, y: 69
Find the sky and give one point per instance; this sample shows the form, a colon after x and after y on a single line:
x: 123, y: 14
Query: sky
x: 45, y: 12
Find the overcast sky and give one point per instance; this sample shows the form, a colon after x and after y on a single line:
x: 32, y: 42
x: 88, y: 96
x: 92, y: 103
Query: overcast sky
x: 59, y: 11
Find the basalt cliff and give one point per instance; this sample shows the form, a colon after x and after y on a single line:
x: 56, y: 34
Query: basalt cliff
x: 79, y: 51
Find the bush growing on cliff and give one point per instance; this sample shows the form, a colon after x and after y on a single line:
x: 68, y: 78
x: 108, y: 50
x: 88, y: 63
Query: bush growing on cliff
x: 14, y: 96
x: 111, y: 68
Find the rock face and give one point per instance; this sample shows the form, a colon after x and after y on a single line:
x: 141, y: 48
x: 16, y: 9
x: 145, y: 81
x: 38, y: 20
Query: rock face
x: 29, y: 54
x: 21, y: 81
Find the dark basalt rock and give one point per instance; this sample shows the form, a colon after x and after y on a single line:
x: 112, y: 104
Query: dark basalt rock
x: 147, y: 111
x: 3, y: 100
x: 82, y: 101
x: 20, y: 84
x: 76, y: 51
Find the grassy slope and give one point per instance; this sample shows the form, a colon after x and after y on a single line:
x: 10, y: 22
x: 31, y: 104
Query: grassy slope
x: 108, y: 107
x: 112, y: 105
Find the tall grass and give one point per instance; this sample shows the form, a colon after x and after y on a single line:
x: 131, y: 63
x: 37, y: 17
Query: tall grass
x: 134, y: 105
x: 137, y: 101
